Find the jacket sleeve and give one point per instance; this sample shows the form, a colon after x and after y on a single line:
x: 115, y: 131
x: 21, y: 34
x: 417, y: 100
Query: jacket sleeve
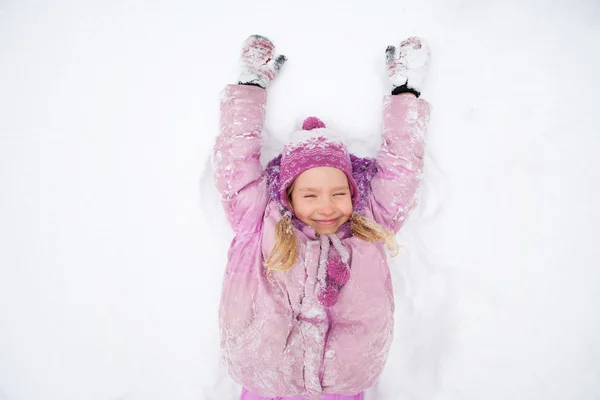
x: 237, y: 172
x: 400, y: 160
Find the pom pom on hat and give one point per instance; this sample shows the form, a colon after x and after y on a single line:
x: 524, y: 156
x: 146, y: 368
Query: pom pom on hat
x: 312, y: 123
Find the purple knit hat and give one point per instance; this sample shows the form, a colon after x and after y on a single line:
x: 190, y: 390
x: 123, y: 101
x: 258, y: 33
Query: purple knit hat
x: 313, y: 146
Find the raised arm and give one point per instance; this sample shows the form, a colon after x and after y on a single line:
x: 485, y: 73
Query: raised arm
x: 405, y: 121
x: 237, y: 172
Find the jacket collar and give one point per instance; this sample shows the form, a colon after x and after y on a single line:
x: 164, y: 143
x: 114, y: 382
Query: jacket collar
x: 343, y: 232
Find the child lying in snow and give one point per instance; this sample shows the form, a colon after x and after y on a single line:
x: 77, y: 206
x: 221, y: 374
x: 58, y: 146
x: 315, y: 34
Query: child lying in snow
x: 307, y: 303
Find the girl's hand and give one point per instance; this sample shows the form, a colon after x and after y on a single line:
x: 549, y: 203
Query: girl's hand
x: 260, y: 65
x: 407, y: 66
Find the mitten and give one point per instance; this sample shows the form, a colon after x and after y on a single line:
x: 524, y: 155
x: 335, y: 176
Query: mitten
x: 259, y: 64
x: 407, y: 66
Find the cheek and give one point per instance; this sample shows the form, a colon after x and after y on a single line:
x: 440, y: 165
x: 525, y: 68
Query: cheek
x: 301, y: 208
x: 346, y: 207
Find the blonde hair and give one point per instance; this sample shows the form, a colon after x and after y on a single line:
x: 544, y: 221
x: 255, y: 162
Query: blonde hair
x: 285, y: 251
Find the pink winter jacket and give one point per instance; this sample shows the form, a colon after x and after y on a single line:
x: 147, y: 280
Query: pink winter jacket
x: 277, y: 339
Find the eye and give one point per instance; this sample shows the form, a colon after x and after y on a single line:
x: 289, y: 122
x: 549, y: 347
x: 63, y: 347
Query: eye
x: 309, y: 195
x: 340, y: 194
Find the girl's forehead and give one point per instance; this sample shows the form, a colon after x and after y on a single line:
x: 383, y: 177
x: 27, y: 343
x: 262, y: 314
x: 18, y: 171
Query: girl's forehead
x: 321, y: 177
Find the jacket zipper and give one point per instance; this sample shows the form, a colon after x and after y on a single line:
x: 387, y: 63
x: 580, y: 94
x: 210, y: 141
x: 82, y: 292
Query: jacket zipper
x: 325, y: 345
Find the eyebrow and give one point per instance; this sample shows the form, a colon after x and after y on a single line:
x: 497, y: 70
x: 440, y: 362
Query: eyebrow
x: 310, y: 189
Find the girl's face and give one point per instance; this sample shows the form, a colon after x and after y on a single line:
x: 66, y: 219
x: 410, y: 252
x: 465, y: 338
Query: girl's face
x: 321, y: 198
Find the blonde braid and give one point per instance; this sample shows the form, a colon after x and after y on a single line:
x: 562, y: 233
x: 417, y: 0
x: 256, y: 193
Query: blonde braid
x: 285, y: 251
x: 369, y: 230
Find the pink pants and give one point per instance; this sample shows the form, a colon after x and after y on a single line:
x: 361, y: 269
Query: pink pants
x: 246, y: 395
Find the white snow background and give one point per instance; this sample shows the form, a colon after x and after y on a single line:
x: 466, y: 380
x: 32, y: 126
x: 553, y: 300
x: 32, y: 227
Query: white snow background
x: 113, y: 243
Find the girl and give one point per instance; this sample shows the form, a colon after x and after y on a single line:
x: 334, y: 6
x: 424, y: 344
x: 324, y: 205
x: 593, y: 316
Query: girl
x: 307, y: 303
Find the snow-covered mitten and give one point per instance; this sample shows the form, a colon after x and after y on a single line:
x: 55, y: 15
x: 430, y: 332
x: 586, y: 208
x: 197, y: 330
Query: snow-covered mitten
x: 259, y: 64
x: 407, y: 66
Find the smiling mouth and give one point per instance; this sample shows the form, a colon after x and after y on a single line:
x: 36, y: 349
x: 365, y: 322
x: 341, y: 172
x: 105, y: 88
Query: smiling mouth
x: 326, y: 221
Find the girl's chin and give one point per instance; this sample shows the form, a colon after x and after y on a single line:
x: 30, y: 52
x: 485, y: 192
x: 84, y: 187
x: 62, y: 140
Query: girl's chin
x: 326, y: 227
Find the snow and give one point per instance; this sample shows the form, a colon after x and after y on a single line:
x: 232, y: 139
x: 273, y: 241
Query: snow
x: 114, y: 244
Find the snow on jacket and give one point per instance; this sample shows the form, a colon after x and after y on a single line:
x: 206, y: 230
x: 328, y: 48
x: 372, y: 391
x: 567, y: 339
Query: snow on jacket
x: 276, y: 337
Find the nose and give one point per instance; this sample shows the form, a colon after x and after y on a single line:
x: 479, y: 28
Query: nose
x: 326, y: 208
